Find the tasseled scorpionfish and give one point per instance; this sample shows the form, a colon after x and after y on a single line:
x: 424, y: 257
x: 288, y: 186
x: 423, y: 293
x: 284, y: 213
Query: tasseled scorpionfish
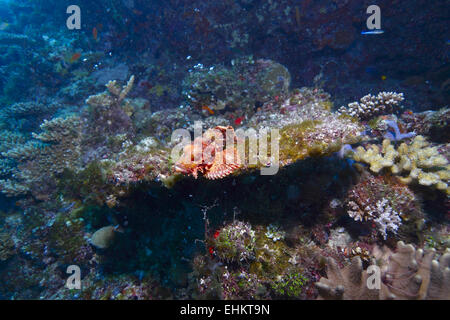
x: 208, y: 156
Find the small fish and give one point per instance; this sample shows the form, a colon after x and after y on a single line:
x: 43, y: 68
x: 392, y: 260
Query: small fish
x: 238, y: 121
x: 383, y: 77
x: 95, y: 33
x: 75, y: 57
x: 145, y: 84
x: 103, y: 238
x: 377, y: 31
x: 208, y: 109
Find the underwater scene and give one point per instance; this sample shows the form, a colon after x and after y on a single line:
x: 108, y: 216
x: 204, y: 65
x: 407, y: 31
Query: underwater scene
x: 224, y: 150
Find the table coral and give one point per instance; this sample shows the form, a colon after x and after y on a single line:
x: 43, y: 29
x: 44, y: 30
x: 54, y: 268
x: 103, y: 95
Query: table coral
x: 41, y: 160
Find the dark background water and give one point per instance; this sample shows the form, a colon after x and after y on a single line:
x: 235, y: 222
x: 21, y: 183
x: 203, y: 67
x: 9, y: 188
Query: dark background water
x: 319, y: 41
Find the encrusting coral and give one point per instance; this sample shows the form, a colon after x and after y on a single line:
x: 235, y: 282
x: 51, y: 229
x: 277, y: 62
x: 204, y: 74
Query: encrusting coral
x: 235, y: 242
x: 414, y: 162
x: 371, y: 106
x: 409, y: 273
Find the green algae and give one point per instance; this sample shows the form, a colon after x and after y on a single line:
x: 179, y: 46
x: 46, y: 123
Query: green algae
x: 293, y: 145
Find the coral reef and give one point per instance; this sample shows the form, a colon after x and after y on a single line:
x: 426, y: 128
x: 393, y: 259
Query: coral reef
x: 397, y: 135
x: 414, y: 162
x: 370, y: 106
x: 42, y: 159
x: 247, y: 85
x: 273, y: 232
x: 386, y: 218
x: 433, y: 124
x: 316, y: 138
x: 407, y: 273
x: 69, y: 166
x: 275, y: 270
x: 235, y: 242
x: 146, y: 160
x: 7, y: 246
x: 384, y: 201
x: 107, y: 120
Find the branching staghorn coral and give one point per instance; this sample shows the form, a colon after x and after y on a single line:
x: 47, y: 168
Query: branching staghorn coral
x: 114, y: 95
x: 409, y: 273
x: 107, y: 120
x: 26, y: 109
x: 381, y: 213
x: 120, y: 93
x: 41, y: 160
x: 413, y: 162
x: 386, y: 202
x: 388, y: 219
x: 370, y: 106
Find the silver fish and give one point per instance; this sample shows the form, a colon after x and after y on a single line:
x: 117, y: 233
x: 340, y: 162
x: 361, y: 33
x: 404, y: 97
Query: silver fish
x: 377, y: 31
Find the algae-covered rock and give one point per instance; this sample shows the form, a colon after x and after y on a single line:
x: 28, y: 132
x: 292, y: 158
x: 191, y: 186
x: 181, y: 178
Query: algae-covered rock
x: 6, y: 246
x: 245, y: 86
